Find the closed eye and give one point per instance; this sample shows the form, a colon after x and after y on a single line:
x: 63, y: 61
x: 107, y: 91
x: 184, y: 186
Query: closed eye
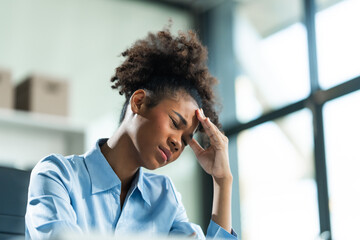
x: 177, y: 127
x: 174, y: 123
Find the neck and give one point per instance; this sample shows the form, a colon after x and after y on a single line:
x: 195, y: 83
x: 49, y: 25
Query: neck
x: 121, y: 154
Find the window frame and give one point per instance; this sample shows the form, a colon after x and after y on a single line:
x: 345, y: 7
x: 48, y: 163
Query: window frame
x: 315, y: 102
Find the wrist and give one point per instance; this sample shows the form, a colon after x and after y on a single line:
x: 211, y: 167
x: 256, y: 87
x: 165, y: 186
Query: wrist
x: 224, y: 180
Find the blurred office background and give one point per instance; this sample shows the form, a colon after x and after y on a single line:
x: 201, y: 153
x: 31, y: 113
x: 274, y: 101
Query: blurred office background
x: 289, y: 81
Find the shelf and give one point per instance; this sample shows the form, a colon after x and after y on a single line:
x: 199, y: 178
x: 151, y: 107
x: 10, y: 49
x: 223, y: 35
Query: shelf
x: 27, y: 137
x: 39, y: 121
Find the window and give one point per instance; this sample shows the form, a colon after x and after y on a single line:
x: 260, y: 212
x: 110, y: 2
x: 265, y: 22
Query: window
x: 277, y: 185
x: 272, y: 53
x: 297, y: 145
x: 338, y: 38
x: 342, y: 132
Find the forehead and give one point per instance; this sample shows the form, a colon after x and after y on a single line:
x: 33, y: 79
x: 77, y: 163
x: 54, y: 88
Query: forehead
x: 183, y: 104
x: 180, y: 101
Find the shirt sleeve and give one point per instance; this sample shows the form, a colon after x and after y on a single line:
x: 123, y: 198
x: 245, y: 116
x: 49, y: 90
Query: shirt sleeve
x: 217, y: 232
x: 49, y: 211
x: 182, y: 226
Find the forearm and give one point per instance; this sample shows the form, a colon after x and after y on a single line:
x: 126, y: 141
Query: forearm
x: 221, y: 209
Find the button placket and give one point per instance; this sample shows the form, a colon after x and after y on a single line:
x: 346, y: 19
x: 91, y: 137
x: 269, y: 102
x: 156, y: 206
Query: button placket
x: 117, y: 212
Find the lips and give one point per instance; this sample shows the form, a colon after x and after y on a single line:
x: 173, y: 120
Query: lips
x: 167, y: 152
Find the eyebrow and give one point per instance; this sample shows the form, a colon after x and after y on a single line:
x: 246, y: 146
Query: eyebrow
x: 181, y: 118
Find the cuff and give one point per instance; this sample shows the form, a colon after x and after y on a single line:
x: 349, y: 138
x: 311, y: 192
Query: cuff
x: 217, y: 232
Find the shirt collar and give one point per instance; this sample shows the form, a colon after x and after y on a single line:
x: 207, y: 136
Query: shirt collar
x: 140, y: 184
x: 103, y: 176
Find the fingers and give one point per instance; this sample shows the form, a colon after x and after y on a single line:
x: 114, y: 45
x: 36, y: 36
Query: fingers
x: 210, y: 129
x: 205, y: 122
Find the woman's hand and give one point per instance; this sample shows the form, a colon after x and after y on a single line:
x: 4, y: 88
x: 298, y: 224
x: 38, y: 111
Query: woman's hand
x: 215, y: 159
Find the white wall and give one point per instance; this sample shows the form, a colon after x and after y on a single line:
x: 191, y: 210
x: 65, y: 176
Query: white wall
x: 81, y: 40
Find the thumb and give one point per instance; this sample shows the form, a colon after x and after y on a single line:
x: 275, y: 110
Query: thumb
x: 195, y: 146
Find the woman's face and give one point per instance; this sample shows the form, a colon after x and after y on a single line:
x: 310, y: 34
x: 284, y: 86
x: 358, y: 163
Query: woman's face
x: 162, y: 132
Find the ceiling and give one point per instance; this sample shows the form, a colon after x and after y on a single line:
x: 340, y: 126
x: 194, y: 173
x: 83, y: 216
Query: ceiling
x: 191, y: 4
x: 267, y: 16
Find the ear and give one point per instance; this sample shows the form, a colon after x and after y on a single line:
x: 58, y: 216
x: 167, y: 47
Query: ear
x: 137, y: 100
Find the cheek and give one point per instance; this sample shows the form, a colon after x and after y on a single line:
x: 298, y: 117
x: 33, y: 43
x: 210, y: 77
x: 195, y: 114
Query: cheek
x: 160, y: 125
x: 153, y: 131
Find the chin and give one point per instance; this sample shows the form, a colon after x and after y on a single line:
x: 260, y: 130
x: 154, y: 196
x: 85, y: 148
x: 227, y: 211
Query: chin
x: 151, y: 165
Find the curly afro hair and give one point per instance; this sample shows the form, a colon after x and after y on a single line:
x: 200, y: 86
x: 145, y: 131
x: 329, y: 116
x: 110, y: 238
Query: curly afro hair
x: 165, y: 64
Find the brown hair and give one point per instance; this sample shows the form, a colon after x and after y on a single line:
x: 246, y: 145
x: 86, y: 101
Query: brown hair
x: 164, y: 64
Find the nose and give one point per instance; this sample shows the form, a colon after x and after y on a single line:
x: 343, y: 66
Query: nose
x: 175, y: 144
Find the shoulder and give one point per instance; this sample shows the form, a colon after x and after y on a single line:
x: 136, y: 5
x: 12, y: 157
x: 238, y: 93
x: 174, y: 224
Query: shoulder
x: 162, y: 185
x: 57, y: 167
x: 58, y: 163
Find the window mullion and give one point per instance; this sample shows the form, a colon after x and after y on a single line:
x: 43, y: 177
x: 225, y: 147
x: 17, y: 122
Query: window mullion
x: 319, y: 141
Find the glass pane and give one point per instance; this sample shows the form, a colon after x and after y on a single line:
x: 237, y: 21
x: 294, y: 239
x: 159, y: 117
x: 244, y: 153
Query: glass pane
x: 342, y: 131
x: 278, y: 197
x: 338, y: 38
x: 271, y: 49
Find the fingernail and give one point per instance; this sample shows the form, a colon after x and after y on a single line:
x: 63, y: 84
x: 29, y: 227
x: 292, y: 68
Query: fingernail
x: 202, y: 113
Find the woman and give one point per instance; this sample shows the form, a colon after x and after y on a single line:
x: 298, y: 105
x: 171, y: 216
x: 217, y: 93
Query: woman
x: 168, y: 91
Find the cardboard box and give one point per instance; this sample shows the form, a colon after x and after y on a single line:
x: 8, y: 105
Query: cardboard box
x: 43, y: 94
x: 6, y: 90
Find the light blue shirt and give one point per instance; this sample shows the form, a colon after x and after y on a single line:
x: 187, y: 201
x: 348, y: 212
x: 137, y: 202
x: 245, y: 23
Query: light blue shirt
x: 82, y: 194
